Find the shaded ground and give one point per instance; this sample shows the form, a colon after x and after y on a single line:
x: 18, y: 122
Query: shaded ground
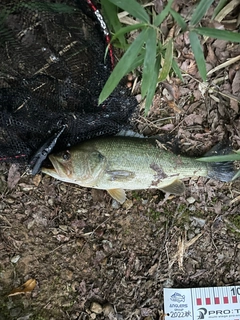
x: 95, y: 259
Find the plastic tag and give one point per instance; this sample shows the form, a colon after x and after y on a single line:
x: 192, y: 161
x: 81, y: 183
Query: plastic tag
x: 202, y: 303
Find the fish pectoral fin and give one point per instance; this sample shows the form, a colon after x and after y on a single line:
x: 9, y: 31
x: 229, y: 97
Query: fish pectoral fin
x: 120, y: 175
x: 175, y: 186
x: 118, y: 194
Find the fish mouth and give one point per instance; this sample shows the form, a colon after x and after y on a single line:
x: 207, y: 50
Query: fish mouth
x: 57, y: 169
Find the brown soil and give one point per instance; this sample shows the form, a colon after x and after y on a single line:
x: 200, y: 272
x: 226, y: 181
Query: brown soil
x: 95, y: 259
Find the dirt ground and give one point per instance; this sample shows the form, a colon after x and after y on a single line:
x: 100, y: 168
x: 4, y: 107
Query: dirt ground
x: 95, y: 259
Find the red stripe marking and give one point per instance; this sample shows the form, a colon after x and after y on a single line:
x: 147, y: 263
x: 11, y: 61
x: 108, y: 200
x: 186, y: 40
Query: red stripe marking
x: 208, y: 301
x: 14, y: 157
x: 91, y: 5
x: 216, y: 300
x: 199, y: 301
x: 108, y: 39
x: 225, y: 299
x: 105, y: 31
x: 234, y: 299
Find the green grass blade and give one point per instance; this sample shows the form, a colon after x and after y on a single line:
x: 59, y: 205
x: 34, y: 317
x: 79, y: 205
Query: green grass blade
x: 132, y: 7
x: 219, y: 7
x: 128, y: 29
x: 219, y: 34
x: 149, y: 60
x: 237, y: 175
x: 200, y: 11
x: 227, y: 157
x: 110, y: 12
x: 137, y: 62
x: 180, y: 21
x: 152, y: 85
x: 176, y: 69
x: 198, y: 54
x: 161, y: 16
x: 123, y: 66
x: 167, y: 61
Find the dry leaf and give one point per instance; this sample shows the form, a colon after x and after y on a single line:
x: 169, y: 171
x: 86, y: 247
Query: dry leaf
x: 37, y: 179
x: 28, y: 286
x: 13, y: 176
x: 172, y: 105
x: 236, y: 83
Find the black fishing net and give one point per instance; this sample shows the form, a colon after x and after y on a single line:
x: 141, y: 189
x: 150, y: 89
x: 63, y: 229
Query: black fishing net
x: 53, y: 66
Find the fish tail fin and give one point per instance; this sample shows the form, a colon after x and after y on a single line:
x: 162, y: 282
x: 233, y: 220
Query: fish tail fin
x: 222, y: 171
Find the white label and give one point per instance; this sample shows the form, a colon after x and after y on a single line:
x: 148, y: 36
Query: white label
x: 202, y: 303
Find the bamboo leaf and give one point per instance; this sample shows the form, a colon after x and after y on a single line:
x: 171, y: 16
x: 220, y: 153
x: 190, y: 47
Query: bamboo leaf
x: 198, y: 54
x: 237, y: 175
x: 123, y: 66
x: 149, y: 60
x: 128, y: 29
x: 219, y: 34
x: 219, y: 7
x: 132, y: 7
x: 168, y: 58
x: 152, y: 85
x: 161, y: 16
x: 200, y: 11
x: 137, y: 62
x: 177, y: 70
x: 110, y: 12
x: 180, y: 21
x: 227, y: 157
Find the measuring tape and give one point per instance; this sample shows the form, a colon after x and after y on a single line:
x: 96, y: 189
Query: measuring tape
x: 202, y: 303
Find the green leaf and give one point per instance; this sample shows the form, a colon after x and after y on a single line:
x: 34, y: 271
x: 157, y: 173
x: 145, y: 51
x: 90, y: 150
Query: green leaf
x: 152, y: 85
x: 198, y: 54
x: 237, y: 175
x: 168, y: 58
x: 149, y: 60
x: 180, y: 21
x: 200, y: 11
x: 177, y: 70
x: 219, y: 34
x: 161, y: 16
x: 110, y: 12
x: 227, y: 157
x: 128, y: 29
x: 122, y: 67
x: 219, y: 7
x: 137, y: 62
x: 132, y: 7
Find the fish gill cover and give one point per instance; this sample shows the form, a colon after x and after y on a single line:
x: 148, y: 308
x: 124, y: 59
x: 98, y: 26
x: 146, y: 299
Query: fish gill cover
x: 52, y: 70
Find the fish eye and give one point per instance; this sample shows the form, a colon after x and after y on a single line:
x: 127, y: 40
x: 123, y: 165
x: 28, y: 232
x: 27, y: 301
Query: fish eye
x: 66, y: 155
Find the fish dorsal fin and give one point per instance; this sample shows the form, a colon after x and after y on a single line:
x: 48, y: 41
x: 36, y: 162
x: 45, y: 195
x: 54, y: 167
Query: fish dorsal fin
x: 175, y: 186
x: 129, y: 133
x: 118, y: 194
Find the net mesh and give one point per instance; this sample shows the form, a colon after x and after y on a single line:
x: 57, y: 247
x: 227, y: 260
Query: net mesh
x: 52, y: 70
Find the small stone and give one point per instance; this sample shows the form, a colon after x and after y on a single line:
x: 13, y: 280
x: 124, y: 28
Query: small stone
x: 168, y: 283
x: 191, y: 200
x: 115, y: 204
x: 108, y: 310
x: 15, y: 259
x: 96, y: 308
x: 199, y: 222
x: 190, y: 234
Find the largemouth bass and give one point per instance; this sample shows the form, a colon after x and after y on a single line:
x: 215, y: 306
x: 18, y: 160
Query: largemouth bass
x: 118, y: 163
